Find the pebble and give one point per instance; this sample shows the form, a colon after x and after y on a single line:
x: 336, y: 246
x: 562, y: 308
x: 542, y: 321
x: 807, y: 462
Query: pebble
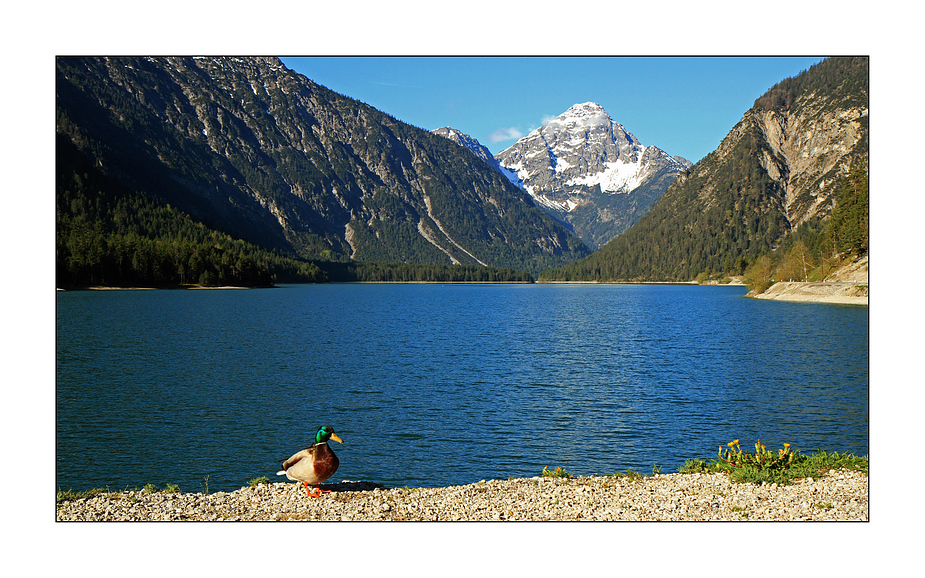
x: 839, y: 495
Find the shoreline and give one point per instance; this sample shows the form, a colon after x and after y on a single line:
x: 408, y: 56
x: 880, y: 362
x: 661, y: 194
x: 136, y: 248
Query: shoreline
x: 847, y: 285
x: 839, y: 495
x: 834, y: 292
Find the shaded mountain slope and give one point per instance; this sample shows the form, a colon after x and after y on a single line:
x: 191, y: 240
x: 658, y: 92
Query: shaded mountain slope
x: 253, y: 149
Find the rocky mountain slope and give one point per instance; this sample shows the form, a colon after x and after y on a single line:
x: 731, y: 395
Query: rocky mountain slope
x: 806, y: 139
x: 778, y: 168
x: 587, y: 170
x: 478, y: 149
x: 252, y: 148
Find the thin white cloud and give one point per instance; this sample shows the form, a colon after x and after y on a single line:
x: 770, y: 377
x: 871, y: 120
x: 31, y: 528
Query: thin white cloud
x: 397, y: 85
x: 547, y: 118
x: 503, y: 134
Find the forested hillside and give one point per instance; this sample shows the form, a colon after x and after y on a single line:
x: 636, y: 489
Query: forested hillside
x: 107, y: 234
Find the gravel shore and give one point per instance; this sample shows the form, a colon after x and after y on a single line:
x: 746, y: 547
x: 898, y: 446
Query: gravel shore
x: 818, y: 292
x: 839, y: 495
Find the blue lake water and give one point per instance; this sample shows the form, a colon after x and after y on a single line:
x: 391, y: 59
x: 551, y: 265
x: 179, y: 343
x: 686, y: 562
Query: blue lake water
x: 434, y: 385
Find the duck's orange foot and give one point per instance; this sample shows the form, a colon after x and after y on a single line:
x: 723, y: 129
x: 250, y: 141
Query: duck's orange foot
x: 316, y: 493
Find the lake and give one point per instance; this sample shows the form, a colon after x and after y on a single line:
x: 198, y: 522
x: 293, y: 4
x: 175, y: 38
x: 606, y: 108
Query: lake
x: 435, y: 385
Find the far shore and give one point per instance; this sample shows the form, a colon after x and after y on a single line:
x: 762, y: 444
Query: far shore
x: 108, y: 288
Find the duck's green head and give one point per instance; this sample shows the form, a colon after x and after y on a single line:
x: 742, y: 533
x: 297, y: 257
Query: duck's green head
x: 326, y: 433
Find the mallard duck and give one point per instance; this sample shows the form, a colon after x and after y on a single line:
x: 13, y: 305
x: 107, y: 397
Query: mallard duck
x: 314, y: 464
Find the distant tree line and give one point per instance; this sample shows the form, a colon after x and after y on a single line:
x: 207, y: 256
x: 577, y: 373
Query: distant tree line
x: 416, y: 273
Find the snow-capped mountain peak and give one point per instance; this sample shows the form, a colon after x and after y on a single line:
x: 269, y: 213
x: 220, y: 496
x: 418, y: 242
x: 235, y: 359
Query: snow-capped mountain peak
x: 587, y: 114
x: 581, y: 158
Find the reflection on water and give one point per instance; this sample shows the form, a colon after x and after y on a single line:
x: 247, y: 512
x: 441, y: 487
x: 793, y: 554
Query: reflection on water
x: 432, y: 385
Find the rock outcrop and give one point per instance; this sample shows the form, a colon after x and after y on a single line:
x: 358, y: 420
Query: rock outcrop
x: 808, y: 152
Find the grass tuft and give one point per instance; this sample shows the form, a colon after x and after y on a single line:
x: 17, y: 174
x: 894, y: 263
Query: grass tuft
x: 631, y: 474
x: 69, y: 495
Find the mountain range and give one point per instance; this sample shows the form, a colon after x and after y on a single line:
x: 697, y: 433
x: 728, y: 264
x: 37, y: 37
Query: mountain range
x: 261, y: 153
x: 254, y: 149
x: 585, y: 170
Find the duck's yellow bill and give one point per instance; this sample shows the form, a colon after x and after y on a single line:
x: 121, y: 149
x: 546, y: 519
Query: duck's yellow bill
x: 336, y: 438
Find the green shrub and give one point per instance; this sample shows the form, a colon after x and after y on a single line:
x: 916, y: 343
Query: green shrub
x: 781, y: 467
x: 556, y: 473
x: 758, y: 276
x: 695, y: 466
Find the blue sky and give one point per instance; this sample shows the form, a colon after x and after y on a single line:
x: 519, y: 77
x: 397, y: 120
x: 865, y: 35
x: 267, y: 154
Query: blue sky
x: 683, y: 105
